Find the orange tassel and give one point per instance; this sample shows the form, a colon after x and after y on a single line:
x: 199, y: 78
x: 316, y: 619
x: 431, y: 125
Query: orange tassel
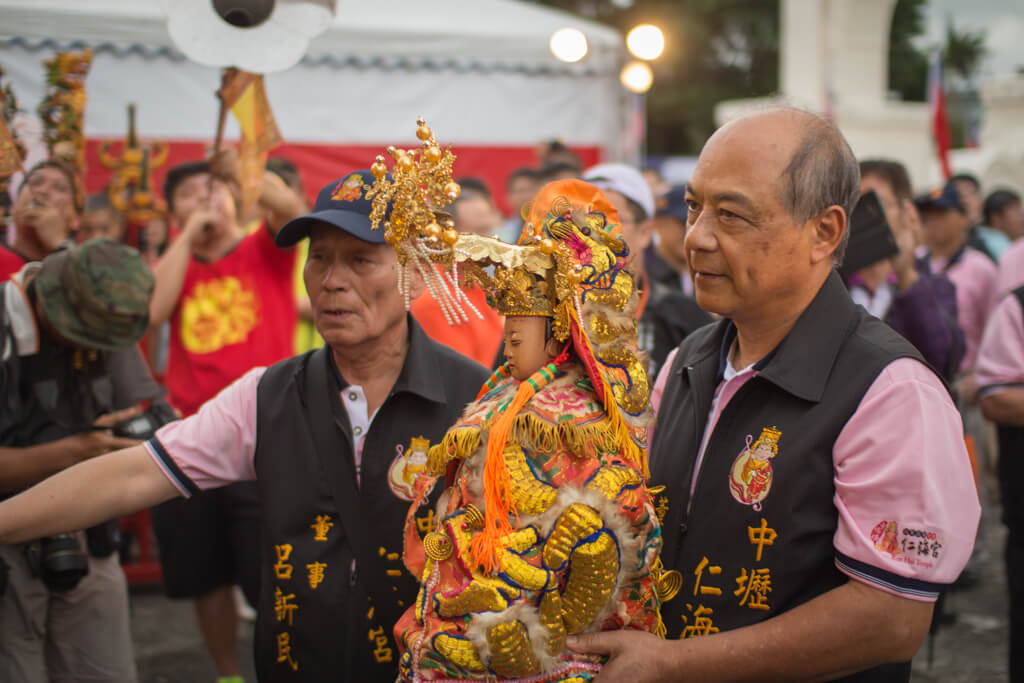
x: 498, y: 486
x: 497, y: 483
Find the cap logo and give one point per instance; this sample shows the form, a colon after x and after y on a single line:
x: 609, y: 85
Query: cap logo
x: 936, y: 193
x: 348, y: 189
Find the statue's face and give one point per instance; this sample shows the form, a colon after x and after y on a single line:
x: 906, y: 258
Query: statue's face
x: 525, y: 344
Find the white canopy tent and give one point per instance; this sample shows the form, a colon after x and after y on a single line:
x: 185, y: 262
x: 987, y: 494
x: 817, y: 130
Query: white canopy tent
x: 480, y: 72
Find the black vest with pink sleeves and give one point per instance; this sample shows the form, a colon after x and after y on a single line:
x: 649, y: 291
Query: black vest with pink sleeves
x: 756, y: 539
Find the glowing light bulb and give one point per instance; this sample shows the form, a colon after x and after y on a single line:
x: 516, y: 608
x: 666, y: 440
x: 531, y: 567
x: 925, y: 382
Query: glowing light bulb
x: 568, y: 44
x: 637, y: 77
x: 645, y: 41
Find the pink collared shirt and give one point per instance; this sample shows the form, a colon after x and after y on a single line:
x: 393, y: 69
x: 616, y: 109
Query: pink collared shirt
x: 217, y: 444
x: 1001, y: 358
x: 901, y: 457
x: 1011, y: 270
x: 974, y: 276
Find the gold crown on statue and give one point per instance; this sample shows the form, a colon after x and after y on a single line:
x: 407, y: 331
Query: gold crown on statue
x: 516, y: 292
x: 407, y: 204
x: 420, y: 185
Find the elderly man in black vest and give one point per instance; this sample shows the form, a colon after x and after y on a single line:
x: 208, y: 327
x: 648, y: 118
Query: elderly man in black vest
x: 817, y: 490
x: 333, y: 437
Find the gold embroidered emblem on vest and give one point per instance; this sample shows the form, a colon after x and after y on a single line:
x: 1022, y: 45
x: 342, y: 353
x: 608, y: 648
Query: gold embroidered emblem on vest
x: 408, y: 463
x: 750, y: 477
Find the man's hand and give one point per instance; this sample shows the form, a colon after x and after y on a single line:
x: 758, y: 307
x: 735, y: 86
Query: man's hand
x: 226, y: 165
x: 198, y: 224
x: 91, y: 444
x: 634, y: 656
x: 903, y: 261
x: 23, y: 467
x: 49, y: 224
x: 968, y: 389
x: 101, y: 441
x: 908, y: 236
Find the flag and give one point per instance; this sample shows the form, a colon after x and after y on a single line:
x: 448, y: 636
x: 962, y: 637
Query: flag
x: 937, y: 106
x: 245, y: 95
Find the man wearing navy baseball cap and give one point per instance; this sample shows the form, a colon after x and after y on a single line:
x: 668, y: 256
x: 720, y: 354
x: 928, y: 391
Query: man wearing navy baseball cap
x: 946, y: 230
x: 333, y: 438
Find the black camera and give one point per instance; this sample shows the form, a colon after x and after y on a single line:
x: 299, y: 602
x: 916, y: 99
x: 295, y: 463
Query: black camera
x: 58, y: 560
x: 141, y: 427
x: 144, y: 425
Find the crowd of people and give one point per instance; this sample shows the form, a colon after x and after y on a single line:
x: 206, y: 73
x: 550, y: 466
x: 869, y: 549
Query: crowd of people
x: 824, y: 427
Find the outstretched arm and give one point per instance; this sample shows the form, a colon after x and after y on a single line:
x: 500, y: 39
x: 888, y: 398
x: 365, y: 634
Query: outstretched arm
x: 91, y: 492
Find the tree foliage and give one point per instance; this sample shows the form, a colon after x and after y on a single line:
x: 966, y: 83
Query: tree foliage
x: 964, y: 51
x: 908, y: 66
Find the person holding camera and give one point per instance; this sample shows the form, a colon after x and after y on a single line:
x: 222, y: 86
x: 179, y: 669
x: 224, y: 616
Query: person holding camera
x: 46, y: 214
x: 73, y: 386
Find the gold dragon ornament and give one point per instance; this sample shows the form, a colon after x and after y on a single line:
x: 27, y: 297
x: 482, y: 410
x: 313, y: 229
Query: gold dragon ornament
x: 62, y: 112
x: 131, y: 189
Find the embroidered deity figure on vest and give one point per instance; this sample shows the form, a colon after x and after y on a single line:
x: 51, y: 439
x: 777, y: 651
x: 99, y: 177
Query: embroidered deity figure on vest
x: 546, y: 527
x: 751, y: 474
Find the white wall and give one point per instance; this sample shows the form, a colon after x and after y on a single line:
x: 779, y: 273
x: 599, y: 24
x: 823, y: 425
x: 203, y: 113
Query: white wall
x: 839, y: 49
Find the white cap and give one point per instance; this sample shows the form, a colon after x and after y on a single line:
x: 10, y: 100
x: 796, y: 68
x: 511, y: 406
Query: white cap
x: 625, y: 180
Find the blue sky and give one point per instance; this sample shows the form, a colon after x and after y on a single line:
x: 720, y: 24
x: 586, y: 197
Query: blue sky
x: 1003, y: 21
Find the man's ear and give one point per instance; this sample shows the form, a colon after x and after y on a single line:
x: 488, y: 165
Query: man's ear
x: 644, y: 232
x: 829, y: 228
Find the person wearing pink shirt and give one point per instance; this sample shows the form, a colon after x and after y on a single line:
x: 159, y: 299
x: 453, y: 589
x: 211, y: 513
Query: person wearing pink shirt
x: 946, y: 231
x: 1011, y: 271
x: 818, y: 495
x: 1000, y: 376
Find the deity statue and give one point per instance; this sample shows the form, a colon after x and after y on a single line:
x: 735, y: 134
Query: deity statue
x: 546, y: 527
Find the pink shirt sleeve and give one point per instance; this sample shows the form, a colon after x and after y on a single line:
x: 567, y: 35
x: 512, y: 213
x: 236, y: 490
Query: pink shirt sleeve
x: 215, y: 446
x: 1011, y: 269
x: 659, y: 384
x: 1001, y: 358
x: 908, y: 507
x: 975, y: 279
x: 659, y: 390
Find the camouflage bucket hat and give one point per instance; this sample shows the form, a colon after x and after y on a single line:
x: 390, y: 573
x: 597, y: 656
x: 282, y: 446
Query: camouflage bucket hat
x: 96, y: 294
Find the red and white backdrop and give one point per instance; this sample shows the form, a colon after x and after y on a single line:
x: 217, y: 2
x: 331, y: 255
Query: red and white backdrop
x: 337, y: 115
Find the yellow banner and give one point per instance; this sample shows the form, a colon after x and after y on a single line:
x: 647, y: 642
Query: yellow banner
x: 260, y: 133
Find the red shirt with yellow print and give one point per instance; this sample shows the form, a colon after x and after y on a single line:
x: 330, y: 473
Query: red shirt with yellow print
x: 233, y: 314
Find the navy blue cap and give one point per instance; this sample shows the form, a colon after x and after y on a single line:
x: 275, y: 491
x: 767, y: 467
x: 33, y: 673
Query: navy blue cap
x: 945, y: 197
x: 673, y: 203
x: 341, y: 203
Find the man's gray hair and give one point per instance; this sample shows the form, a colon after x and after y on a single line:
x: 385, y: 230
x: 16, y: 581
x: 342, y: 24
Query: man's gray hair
x: 822, y: 172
